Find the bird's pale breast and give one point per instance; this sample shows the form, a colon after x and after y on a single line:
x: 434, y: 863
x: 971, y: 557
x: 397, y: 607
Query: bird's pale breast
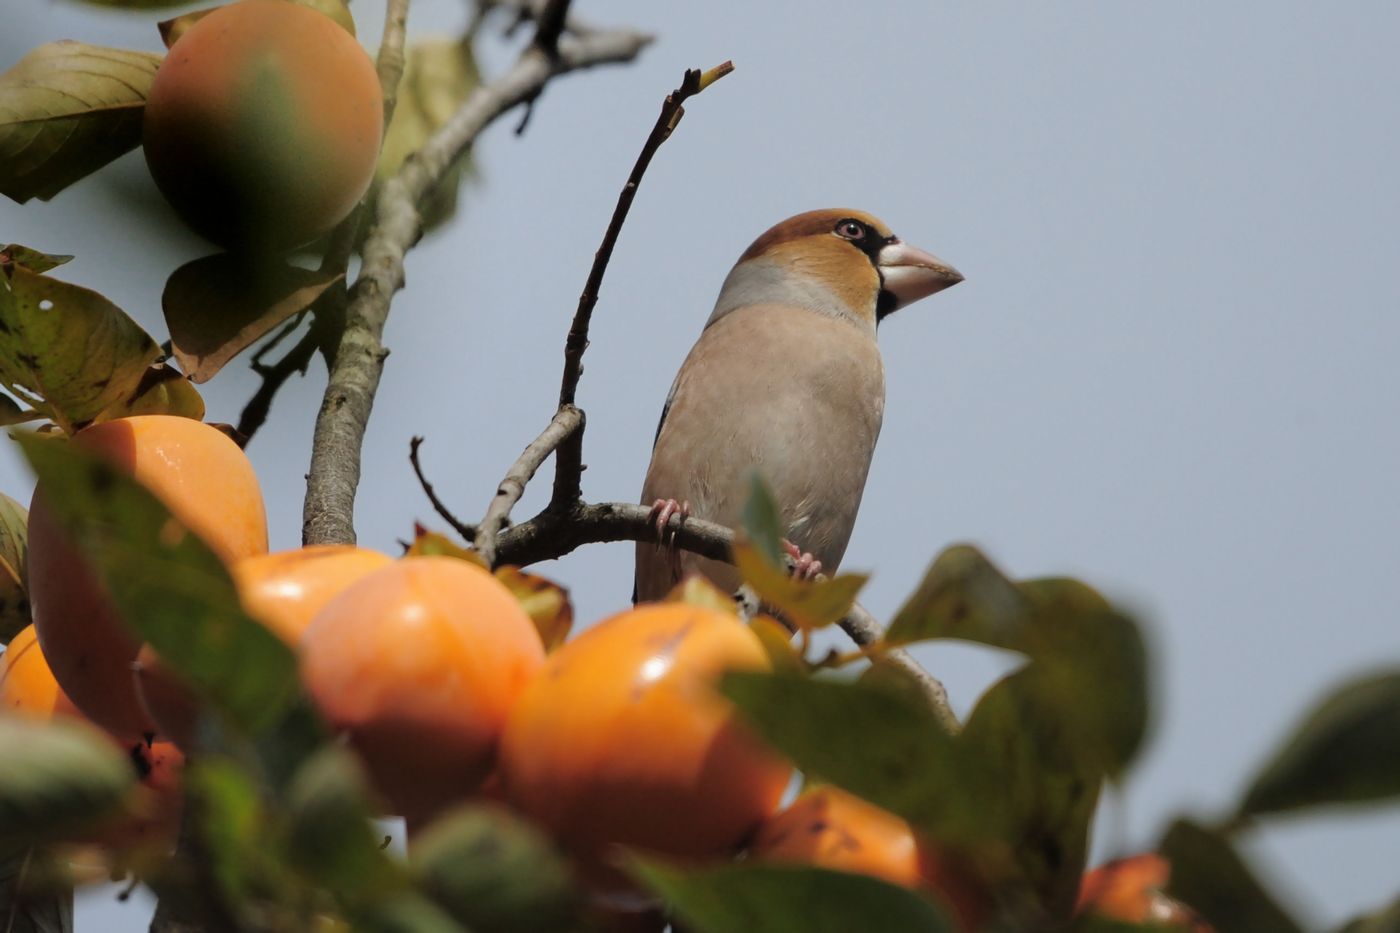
x: 807, y: 417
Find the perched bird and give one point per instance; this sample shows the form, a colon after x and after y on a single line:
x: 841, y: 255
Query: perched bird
x: 786, y: 378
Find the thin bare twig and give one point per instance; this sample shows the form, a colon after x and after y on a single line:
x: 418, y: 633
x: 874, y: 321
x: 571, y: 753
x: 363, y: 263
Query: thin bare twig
x: 328, y: 513
x: 568, y: 465
x: 568, y: 420
x: 461, y: 527
x: 295, y: 362
x: 564, y: 435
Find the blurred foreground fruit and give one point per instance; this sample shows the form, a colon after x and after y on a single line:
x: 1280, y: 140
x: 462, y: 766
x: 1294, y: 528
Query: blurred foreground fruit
x: 622, y: 741
x: 420, y: 663
x: 831, y: 828
x: 27, y: 686
x: 1130, y: 889
x: 284, y: 591
x: 151, y: 814
x: 150, y: 820
x: 263, y: 125
x: 206, y: 481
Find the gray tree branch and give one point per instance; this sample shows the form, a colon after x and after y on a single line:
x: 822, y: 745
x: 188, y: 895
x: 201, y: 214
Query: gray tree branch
x: 328, y: 512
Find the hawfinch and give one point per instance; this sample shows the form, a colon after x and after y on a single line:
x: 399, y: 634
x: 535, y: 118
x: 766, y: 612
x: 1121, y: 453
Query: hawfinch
x: 786, y: 379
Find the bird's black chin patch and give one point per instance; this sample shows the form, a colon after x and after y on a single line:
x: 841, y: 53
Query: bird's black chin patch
x: 885, y: 305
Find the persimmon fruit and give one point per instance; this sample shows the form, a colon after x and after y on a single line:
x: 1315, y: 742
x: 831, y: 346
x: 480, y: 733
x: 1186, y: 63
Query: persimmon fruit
x: 206, y: 482
x: 263, y: 124
x: 830, y: 828
x: 1130, y: 889
x: 419, y: 663
x: 622, y: 740
x: 27, y: 686
x: 283, y: 590
x: 151, y: 813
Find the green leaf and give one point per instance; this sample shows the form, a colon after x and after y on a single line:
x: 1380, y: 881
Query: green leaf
x: 329, y: 832
x: 963, y: 595
x: 762, y: 520
x: 57, y: 777
x: 879, y: 744
x: 1089, y: 685
x: 14, y: 555
x: 31, y: 259
x: 229, y: 819
x: 65, y: 349
x: 66, y: 110
x: 167, y: 584
x: 1209, y: 876
x: 439, y: 75
x: 406, y: 913
x: 1385, y: 920
x: 788, y: 899
x: 1346, y: 751
x: 492, y: 871
x: 218, y: 306
x: 27, y: 907
x: 1036, y: 802
x: 807, y: 604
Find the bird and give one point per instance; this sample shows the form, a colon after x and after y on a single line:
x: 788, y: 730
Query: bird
x: 785, y: 379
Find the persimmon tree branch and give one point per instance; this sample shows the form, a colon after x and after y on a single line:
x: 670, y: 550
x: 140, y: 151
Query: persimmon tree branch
x: 568, y: 465
x: 328, y: 512
x: 329, y: 308
x: 564, y: 435
x: 567, y: 421
x: 553, y: 534
x: 468, y: 532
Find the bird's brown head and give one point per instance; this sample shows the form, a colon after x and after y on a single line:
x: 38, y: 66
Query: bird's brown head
x: 836, y: 261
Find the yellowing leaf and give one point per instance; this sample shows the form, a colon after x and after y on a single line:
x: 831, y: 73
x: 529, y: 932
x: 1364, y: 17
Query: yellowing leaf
x: 806, y: 604
x: 67, y: 350
x: 218, y: 306
x: 31, y: 259
x: 544, y: 601
x: 172, y: 29
x: 335, y: 9
x: 696, y: 590
x: 438, y: 76
x: 431, y: 544
x: 163, y: 390
x: 14, y: 551
x: 776, y: 640
x: 66, y: 110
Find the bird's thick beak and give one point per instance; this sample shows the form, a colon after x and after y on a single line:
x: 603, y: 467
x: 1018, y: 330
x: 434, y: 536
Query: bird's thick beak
x: 911, y: 274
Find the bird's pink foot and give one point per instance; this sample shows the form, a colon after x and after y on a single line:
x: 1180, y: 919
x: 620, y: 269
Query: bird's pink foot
x: 662, y: 511
x: 805, y: 567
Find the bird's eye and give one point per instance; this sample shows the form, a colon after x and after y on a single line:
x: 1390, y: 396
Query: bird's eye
x: 850, y: 229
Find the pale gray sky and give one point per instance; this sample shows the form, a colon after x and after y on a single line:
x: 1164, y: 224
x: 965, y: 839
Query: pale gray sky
x: 1170, y: 370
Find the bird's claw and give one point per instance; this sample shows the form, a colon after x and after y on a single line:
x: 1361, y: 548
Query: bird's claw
x: 662, y: 511
x: 805, y: 567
